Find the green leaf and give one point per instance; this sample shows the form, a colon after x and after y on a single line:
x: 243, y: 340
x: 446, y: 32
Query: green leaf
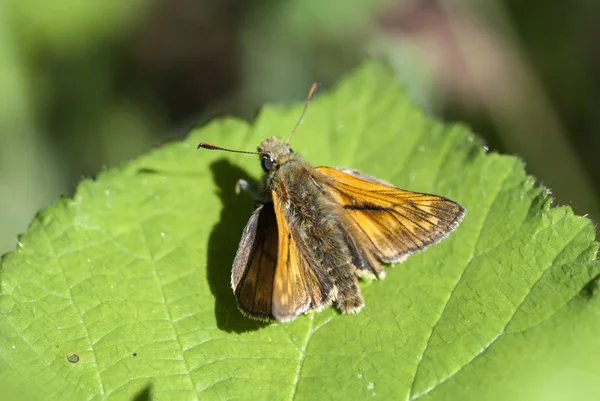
x: 132, y: 276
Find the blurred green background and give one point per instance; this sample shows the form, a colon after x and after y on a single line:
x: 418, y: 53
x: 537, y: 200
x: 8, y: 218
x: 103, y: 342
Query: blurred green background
x: 86, y: 85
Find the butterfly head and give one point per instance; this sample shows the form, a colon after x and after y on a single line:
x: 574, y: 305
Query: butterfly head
x: 274, y: 153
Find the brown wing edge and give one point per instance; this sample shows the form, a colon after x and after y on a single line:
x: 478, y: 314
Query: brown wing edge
x: 459, y: 215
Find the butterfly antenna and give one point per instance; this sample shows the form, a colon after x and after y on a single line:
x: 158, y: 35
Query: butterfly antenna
x: 311, y: 93
x: 213, y: 147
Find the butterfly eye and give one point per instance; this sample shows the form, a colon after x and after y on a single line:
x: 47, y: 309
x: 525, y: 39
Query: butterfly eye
x: 266, y: 163
x: 291, y: 151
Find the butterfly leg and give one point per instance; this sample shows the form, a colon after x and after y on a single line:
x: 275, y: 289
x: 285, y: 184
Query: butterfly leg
x: 243, y: 185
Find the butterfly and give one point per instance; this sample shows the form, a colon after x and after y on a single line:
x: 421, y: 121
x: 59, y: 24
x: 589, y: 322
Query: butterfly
x: 318, y: 229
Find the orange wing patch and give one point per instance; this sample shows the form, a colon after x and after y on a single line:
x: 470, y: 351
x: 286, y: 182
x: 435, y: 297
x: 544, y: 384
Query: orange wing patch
x: 295, y: 287
x: 390, y: 222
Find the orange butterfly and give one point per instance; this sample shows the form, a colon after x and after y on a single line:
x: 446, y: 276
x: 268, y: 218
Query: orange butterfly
x: 318, y: 229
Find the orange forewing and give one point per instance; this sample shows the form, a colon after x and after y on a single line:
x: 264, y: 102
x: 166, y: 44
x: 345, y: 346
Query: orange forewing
x: 295, y: 286
x: 390, y: 222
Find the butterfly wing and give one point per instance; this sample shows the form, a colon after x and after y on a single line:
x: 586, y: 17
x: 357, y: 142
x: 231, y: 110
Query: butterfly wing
x: 297, y: 286
x: 255, y: 262
x: 271, y: 276
x: 390, y: 222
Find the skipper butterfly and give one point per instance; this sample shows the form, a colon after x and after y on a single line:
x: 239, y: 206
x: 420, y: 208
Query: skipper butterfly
x: 318, y: 229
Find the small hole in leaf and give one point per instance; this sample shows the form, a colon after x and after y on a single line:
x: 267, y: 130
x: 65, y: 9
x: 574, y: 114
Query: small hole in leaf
x: 135, y: 354
x: 73, y: 358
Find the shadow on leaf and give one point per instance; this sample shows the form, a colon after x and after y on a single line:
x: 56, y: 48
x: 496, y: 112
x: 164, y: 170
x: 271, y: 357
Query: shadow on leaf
x: 144, y: 394
x: 223, y: 244
x: 591, y: 288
